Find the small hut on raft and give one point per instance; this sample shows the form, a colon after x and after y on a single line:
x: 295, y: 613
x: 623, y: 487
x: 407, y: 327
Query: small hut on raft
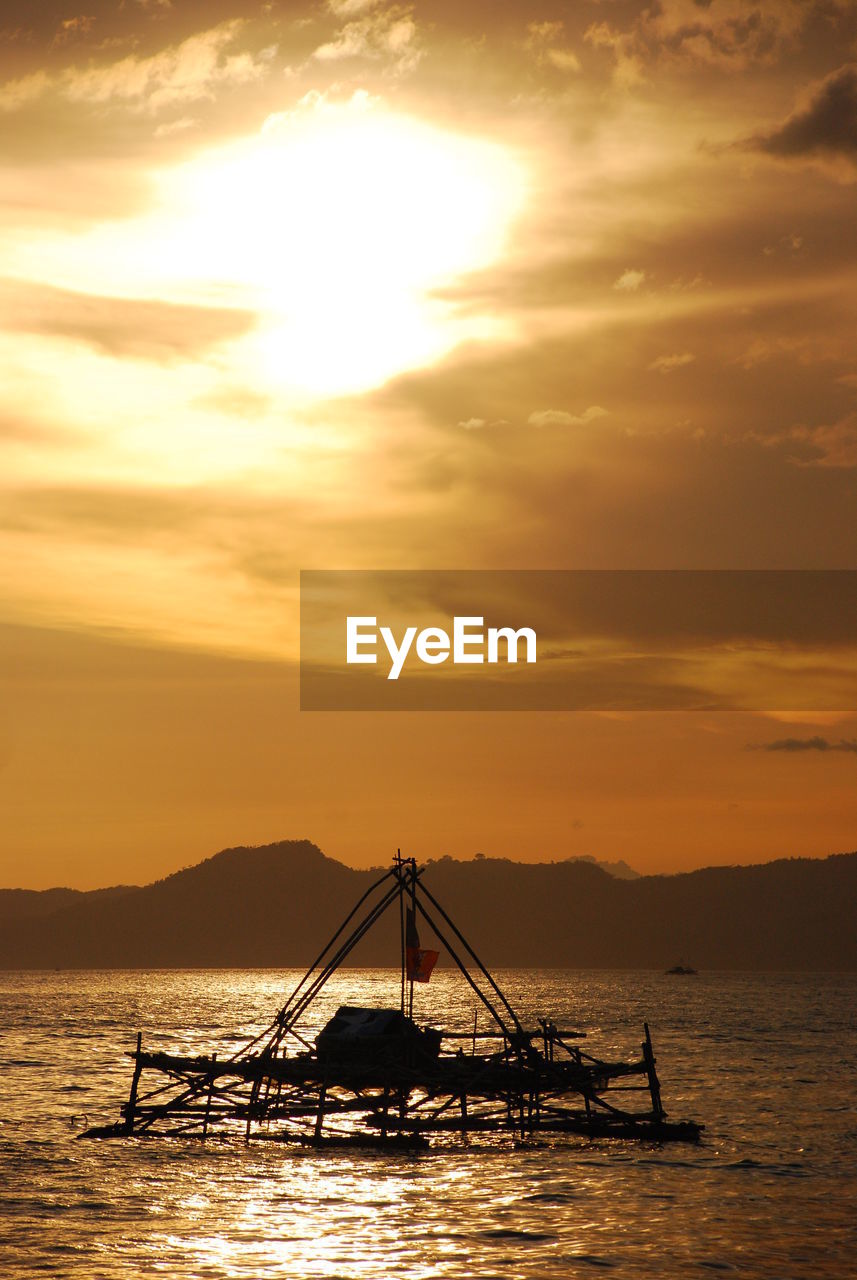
x: 374, y: 1076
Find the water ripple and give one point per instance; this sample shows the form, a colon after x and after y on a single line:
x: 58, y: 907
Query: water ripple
x: 767, y: 1062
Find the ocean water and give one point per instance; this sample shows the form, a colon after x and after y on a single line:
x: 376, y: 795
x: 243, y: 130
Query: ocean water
x: 767, y: 1062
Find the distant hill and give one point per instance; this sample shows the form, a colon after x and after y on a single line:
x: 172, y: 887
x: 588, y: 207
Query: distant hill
x: 21, y: 904
x: 277, y: 905
x: 619, y: 869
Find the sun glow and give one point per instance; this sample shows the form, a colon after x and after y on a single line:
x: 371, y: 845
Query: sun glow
x: 339, y: 224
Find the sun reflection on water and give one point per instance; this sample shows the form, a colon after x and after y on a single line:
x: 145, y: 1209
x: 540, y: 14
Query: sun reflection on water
x: 766, y: 1194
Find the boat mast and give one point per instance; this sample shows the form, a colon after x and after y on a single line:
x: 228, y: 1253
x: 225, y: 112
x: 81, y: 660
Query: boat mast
x: 398, y: 868
x: 406, y: 875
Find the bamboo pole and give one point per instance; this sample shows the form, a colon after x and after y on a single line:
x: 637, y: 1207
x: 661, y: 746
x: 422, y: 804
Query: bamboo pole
x: 654, y: 1083
x: 135, y: 1080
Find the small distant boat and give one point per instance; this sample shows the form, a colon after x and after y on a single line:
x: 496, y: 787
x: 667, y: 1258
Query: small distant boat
x: 683, y: 970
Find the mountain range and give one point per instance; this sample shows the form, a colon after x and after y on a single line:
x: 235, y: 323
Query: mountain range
x: 276, y: 905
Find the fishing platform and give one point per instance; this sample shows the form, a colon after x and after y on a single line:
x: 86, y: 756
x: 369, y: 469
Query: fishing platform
x: 374, y: 1077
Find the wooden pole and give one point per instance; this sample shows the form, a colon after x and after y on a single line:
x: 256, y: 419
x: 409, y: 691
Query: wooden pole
x: 403, y: 1104
x: 135, y: 1080
x: 320, y: 1117
x: 401, y: 923
x: 254, y: 1094
x: 208, y: 1099
x: 413, y: 879
x: 654, y: 1083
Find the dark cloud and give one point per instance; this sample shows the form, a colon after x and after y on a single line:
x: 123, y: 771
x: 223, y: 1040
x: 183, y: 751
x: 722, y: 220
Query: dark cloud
x: 759, y: 372
x: 705, y: 480
x: 728, y: 38
x: 827, y: 126
x: 750, y: 244
x: 650, y: 685
x: 823, y: 445
x: 119, y: 326
x: 810, y: 744
x: 646, y: 614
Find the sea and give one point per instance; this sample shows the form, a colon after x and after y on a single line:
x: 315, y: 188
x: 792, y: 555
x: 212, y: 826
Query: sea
x: 767, y: 1062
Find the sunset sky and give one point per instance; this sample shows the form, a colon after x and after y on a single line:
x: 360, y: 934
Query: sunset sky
x: 358, y: 285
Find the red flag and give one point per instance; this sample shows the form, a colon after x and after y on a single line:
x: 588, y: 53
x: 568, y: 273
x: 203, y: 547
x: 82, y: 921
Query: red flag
x: 419, y: 961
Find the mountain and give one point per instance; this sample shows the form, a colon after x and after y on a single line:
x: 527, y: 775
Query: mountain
x: 277, y: 905
x: 18, y: 904
x: 619, y: 869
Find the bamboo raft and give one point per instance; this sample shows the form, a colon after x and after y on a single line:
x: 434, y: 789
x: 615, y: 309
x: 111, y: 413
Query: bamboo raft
x: 374, y: 1077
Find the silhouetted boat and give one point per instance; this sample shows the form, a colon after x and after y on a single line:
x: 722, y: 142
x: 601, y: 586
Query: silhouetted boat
x: 373, y: 1076
x: 683, y: 970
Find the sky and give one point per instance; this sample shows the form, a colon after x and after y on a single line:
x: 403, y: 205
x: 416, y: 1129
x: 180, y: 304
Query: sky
x: 359, y: 285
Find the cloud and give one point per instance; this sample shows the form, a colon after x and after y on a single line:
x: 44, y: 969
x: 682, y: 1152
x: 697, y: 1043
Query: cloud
x: 560, y: 418
x: 16, y: 94
x: 825, y: 126
x: 476, y: 424
x: 563, y: 59
x: 668, y: 364
x: 139, y: 328
x: 807, y: 349
x: 15, y: 35
x: 389, y: 35
x: 629, y: 65
x: 729, y: 35
x: 809, y: 744
x: 185, y: 72
x: 791, y: 243
x: 826, y: 445
x: 347, y: 8
x: 542, y: 43
x: 71, y: 30
x: 45, y: 435
x: 629, y: 281
x: 176, y: 126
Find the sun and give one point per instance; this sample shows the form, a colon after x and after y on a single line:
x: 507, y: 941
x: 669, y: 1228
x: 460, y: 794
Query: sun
x: 340, y: 225
x: 342, y: 231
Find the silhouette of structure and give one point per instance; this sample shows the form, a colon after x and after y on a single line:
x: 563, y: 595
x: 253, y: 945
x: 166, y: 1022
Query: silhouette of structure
x: 373, y: 1076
